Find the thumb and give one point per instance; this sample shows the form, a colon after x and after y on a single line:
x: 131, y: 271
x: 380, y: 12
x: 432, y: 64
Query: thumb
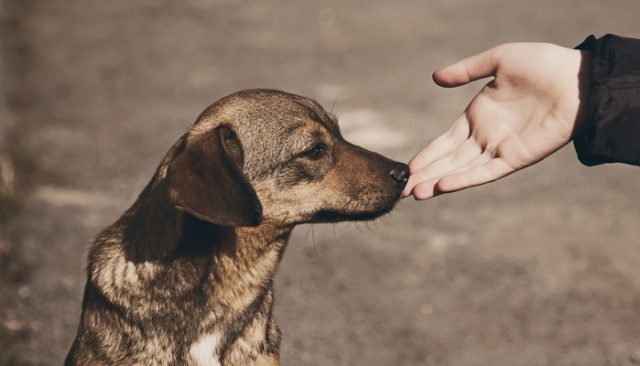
x: 473, y: 68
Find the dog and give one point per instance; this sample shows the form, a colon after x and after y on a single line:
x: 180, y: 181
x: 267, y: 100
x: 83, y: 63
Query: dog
x: 185, y: 276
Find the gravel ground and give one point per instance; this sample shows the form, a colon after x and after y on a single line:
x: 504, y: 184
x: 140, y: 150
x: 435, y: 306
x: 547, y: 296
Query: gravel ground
x: 540, y: 268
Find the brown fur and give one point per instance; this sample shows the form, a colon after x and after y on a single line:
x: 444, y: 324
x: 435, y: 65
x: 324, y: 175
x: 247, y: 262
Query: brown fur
x: 185, y: 275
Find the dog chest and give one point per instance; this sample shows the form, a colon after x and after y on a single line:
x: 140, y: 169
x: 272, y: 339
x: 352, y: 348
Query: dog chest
x: 203, y: 352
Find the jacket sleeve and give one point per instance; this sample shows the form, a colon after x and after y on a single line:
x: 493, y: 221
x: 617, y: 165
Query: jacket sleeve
x: 612, y: 131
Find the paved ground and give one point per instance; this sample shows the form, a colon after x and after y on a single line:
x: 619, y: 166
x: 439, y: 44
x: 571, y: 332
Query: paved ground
x: 538, y: 269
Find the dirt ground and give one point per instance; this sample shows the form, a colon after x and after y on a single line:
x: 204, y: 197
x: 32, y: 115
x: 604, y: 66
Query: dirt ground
x: 541, y: 268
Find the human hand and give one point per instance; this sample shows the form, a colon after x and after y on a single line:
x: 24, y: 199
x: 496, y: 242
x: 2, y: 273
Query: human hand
x: 532, y: 107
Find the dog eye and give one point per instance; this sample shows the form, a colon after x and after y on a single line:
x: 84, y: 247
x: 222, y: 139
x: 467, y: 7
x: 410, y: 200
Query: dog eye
x: 316, y: 152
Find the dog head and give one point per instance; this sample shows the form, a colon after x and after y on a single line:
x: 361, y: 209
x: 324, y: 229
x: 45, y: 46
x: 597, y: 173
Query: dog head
x: 269, y: 156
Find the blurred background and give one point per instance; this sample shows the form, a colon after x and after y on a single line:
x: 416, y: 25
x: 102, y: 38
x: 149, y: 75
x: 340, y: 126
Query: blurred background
x: 540, y: 268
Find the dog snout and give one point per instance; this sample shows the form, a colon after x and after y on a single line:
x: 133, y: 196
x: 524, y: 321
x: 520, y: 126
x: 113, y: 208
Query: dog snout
x: 400, y: 175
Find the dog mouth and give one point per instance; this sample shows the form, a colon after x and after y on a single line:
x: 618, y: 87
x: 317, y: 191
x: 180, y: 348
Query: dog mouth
x: 328, y: 216
x: 383, y: 207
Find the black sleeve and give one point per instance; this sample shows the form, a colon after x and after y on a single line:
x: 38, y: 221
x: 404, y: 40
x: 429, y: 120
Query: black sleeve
x: 612, y: 131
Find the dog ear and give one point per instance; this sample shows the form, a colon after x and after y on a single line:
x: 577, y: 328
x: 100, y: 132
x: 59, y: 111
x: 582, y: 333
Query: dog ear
x: 205, y: 180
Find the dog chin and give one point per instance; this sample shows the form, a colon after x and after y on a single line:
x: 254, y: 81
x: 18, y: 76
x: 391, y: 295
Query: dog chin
x: 328, y: 216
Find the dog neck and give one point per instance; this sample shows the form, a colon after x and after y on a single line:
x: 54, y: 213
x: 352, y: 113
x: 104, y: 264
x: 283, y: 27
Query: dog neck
x: 234, y: 266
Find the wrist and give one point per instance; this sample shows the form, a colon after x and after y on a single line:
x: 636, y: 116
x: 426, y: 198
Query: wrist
x: 584, y: 82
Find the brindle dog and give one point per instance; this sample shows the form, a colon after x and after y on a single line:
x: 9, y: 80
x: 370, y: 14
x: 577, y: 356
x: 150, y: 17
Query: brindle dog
x: 185, y: 276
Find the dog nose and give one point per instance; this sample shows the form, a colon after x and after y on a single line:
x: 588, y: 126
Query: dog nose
x: 400, y: 175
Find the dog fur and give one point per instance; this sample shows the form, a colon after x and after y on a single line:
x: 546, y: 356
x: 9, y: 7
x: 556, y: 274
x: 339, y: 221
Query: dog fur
x: 185, y: 276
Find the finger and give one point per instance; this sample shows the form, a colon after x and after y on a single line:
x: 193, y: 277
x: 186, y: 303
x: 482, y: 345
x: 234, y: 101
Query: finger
x: 457, y: 133
x: 494, y: 169
x: 473, y: 68
x: 466, y: 153
x: 427, y: 189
